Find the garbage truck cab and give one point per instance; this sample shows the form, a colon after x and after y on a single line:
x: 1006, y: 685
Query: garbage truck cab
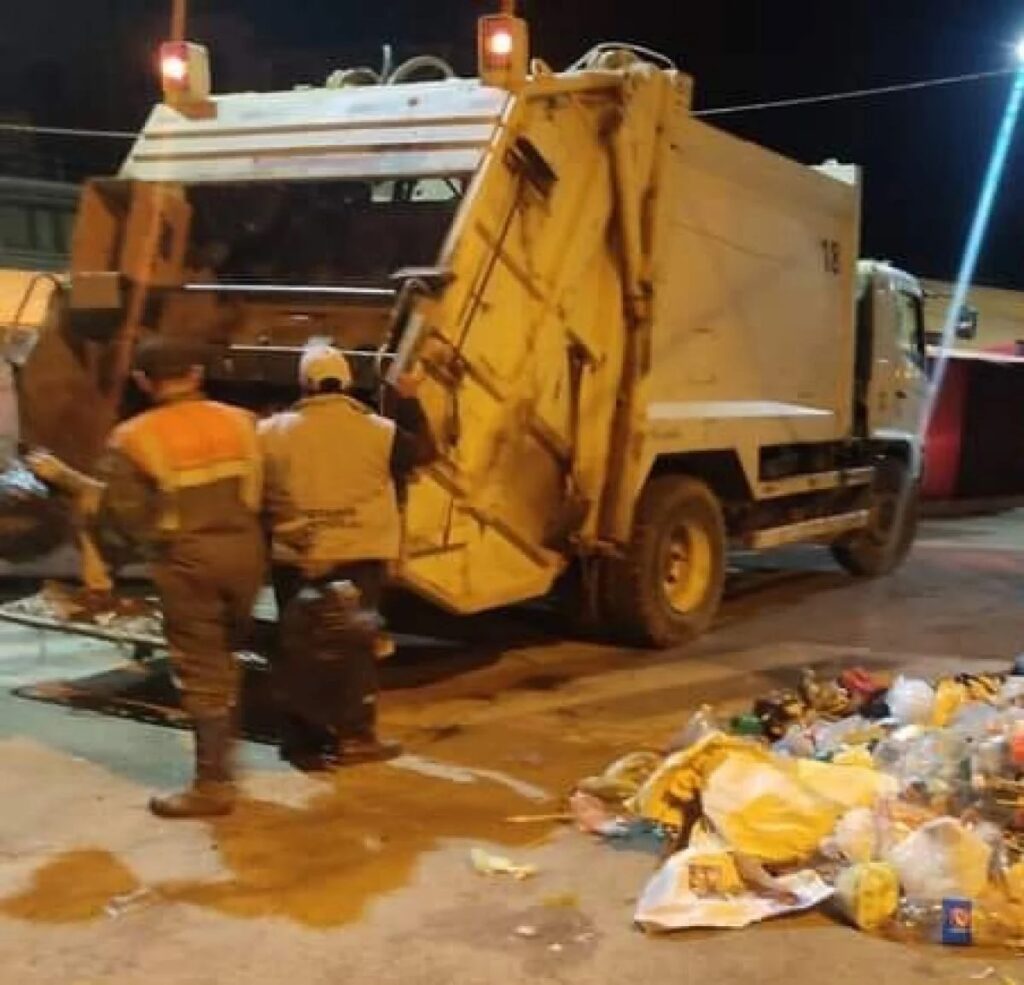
x: 645, y: 340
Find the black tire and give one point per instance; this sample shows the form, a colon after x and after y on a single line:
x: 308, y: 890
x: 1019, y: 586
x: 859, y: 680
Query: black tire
x: 667, y: 588
x: 885, y: 543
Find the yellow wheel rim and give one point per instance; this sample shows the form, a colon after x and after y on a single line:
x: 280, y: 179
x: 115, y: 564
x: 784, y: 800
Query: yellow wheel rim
x: 687, y: 567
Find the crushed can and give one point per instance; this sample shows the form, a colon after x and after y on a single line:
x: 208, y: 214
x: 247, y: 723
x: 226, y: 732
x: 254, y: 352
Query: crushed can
x: 957, y: 922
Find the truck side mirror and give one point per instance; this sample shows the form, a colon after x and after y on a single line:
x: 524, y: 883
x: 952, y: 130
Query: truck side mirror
x: 967, y: 324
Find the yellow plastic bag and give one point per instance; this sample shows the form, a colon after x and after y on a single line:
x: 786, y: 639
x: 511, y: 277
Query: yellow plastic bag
x: 869, y: 894
x: 950, y: 695
x: 854, y: 756
x: 762, y: 810
x: 770, y: 807
x: 845, y: 786
x: 1015, y: 882
x: 681, y: 776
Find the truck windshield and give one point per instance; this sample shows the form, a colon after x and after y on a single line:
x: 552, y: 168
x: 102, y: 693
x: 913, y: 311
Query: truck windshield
x: 319, y: 233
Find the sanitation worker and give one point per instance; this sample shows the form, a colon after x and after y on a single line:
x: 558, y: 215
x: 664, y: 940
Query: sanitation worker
x: 333, y: 470
x: 183, y: 482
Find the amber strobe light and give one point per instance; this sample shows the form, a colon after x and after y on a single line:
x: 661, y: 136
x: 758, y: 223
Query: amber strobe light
x: 173, y: 65
x: 504, y: 50
x: 184, y: 73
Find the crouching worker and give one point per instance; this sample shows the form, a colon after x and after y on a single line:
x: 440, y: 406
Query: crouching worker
x: 331, y: 471
x: 182, y: 482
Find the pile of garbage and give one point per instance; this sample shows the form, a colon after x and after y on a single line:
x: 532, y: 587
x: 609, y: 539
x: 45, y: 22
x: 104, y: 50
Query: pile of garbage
x: 899, y: 801
x: 33, y: 520
x: 71, y: 605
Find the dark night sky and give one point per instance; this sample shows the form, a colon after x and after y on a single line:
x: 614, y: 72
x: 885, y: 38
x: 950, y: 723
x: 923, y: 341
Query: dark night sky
x: 924, y: 153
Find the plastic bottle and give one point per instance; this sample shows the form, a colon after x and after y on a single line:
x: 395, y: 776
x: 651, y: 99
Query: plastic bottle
x: 702, y: 724
x: 916, y: 921
x: 988, y: 761
x: 952, y: 922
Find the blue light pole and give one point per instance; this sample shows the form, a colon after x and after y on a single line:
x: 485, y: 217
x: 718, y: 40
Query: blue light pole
x: 976, y: 237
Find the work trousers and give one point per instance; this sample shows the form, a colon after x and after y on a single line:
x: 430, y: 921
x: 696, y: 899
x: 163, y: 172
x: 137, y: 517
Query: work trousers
x: 208, y: 585
x: 325, y: 671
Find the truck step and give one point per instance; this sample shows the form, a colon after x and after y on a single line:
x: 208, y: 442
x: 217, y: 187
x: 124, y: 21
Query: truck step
x: 820, y: 528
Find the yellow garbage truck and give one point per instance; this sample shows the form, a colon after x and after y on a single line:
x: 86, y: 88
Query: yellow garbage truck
x: 646, y: 342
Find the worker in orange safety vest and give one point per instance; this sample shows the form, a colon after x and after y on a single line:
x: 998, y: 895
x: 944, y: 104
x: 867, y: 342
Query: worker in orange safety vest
x: 183, y: 481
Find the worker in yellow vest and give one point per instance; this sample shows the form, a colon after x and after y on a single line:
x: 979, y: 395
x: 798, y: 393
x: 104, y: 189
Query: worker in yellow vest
x: 333, y: 469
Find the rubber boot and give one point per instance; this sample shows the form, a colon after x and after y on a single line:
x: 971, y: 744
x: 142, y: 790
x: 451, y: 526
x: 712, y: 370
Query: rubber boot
x: 212, y: 794
x: 304, y: 745
x: 361, y: 744
x: 365, y: 748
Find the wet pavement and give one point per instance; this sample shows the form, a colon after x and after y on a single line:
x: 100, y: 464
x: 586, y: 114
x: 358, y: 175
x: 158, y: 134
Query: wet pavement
x: 365, y: 877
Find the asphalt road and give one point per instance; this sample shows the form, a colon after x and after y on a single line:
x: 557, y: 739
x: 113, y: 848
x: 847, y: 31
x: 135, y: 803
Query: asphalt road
x: 365, y: 878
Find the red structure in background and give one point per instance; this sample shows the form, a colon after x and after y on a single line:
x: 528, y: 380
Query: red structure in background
x: 942, y: 445
x: 975, y: 443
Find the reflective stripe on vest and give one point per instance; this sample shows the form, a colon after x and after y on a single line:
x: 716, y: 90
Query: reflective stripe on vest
x: 192, y: 444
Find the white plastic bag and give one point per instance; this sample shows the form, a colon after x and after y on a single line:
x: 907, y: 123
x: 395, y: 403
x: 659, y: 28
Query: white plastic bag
x: 856, y: 835
x: 703, y: 887
x: 942, y: 859
x: 911, y: 701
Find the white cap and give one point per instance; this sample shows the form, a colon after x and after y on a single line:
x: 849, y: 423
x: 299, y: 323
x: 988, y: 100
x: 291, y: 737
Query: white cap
x: 323, y: 362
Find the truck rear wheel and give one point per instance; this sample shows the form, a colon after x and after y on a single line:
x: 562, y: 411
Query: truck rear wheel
x: 667, y: 589
x: 884, y: 544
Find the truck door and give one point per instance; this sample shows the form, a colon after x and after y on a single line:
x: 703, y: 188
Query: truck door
x: 899, y: 381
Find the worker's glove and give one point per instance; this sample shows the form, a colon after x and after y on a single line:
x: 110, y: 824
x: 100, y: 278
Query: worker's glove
x: 407, y: 385
x: 50, y: 469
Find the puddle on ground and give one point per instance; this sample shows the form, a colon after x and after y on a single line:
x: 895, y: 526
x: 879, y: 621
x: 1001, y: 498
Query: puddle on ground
x: 74, y: 887
x: 323, y: 865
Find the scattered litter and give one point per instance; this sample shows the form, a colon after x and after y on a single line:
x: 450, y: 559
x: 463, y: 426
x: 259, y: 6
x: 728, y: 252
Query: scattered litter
x: 555, y: 948
x: 495, y: 865
x: 704, y: 888
x: 911, y: 702
x: 991, y: 972
x: 623, y: 779
x: 856, y: 836
x: 118, y: 906
x: 902, y: 797
x: 593, y: 816
x: 540, y: 819
x: 943, y: 859
x: 700, y: 726
x: 868, y: 894
x: 526, y: 931
x: 372, y: 843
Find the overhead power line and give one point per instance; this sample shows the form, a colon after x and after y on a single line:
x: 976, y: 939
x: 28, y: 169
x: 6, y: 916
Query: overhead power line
x: 835, y: 97
x: 66, y: 131
x: 831, y: 97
